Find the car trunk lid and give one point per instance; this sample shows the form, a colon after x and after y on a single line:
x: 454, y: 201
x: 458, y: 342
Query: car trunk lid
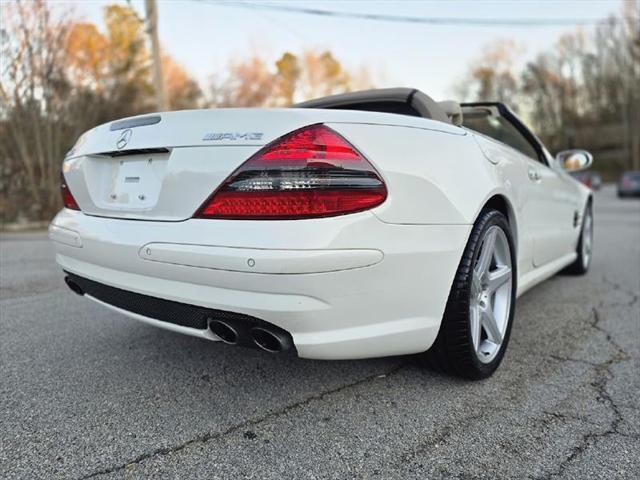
x: 163, y: 166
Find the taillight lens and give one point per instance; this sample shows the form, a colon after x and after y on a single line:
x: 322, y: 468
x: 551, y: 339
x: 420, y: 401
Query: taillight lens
x: 308, y: 173
x: 67, y: 196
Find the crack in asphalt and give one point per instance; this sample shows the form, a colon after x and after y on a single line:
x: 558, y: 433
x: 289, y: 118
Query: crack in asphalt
x: 442, y: 434
x: 603, y: 375
x: 439, y: 437
x: 560, y: 358
x: 564, y: 417
x: 247, y: 423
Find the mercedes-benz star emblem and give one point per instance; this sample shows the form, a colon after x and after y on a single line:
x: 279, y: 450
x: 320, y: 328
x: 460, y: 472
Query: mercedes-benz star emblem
x: 124, y: 138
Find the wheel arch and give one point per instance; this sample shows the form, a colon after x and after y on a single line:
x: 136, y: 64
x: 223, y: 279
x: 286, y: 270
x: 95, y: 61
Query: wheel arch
x: 502, y: 204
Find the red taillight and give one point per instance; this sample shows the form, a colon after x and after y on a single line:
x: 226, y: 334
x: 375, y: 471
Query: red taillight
x: 311, y: 172
x: 67, y: 197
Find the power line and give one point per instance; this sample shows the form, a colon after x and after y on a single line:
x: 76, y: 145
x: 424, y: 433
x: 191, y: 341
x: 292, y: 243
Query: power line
x: 488, y: 22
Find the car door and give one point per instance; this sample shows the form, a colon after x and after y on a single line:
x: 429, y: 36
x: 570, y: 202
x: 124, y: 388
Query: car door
x: 552, y: 207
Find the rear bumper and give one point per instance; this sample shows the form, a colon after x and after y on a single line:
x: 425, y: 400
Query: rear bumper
x: 343, y: 287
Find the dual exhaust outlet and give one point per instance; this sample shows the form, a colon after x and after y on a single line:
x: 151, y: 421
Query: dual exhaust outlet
x: 269, y: 340
x: 252, y: 333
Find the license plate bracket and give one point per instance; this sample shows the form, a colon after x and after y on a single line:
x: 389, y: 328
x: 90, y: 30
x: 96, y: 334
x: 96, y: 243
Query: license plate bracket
x: 136, y: 182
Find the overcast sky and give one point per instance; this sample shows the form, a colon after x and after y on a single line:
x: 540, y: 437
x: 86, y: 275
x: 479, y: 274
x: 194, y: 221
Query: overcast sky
x: 205, y: 35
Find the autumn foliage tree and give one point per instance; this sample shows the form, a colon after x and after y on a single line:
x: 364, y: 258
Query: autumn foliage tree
x: 292, y: 78
x: 112, y: 66
x: 183, y: 92
x: 59, y: 78
x: 249, y: 84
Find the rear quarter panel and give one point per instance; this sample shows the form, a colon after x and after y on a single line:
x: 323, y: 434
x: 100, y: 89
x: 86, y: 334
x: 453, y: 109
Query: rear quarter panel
x: 437, y: 177
x: 433, y: 177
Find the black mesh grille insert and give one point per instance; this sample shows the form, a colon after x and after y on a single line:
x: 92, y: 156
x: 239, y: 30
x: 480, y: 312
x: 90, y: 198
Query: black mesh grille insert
x: 158, y: 308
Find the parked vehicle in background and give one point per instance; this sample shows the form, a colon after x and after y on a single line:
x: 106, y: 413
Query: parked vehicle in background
x: 591, y: 179
x: 629, y: 184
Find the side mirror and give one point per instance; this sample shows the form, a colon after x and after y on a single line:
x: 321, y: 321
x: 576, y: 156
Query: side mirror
x: 574, y: 160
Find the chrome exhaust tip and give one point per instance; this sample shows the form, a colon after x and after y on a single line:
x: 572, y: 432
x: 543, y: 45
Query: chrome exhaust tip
x: 269, y: 341
x: 224, y: 332
x: 75, y: 288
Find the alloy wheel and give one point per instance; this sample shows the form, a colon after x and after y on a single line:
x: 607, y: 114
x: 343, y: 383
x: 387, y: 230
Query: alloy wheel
x: 491, y: 288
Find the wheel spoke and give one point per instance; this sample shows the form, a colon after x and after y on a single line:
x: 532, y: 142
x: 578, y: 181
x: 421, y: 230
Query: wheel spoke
x: 476, y: 283
x: 476, y: 327
x: 486, y: 254
x: 587, y: 232
x: 491, y: 327
x: 499, y: 277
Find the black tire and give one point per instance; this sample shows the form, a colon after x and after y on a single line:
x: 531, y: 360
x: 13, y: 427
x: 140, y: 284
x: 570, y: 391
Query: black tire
x: 452, y: 352
x: 581, y: 264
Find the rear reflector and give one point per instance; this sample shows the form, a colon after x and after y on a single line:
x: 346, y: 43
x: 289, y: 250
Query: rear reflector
x: 311, y: 172
x: 67, y: 196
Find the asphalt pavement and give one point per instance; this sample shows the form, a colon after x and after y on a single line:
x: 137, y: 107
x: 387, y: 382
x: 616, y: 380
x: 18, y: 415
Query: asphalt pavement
x: 88, y: 393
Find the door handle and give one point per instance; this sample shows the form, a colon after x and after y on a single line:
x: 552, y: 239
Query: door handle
x: 534, y: 175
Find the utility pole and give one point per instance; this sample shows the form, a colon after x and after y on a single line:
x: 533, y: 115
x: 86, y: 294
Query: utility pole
x: 152, y: 29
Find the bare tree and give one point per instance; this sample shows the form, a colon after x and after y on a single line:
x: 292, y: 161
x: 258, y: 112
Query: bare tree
x: 584, y: 91
x: 33, y: 90
x: 492, y: 76
x: 58, y: 79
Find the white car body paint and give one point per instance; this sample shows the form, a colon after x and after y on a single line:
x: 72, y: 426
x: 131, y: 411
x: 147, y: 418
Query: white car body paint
x: 366, y: 284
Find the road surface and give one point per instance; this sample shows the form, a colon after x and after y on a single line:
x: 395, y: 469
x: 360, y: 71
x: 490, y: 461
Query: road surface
x: 87, y: 393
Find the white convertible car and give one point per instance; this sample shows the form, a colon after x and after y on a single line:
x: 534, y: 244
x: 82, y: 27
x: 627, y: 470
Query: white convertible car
x: 359, y: 225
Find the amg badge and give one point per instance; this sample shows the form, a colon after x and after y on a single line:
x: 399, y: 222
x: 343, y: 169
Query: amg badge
x: 233, y: 136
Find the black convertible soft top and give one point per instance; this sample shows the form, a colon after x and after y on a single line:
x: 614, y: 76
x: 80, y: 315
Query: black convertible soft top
x: 405, y: 101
